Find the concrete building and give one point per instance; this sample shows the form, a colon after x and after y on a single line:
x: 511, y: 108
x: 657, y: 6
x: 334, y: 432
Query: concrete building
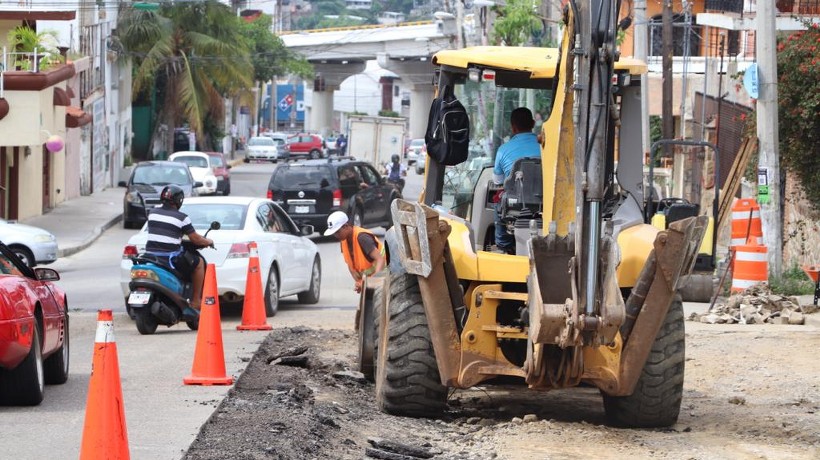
x: 92, y: 93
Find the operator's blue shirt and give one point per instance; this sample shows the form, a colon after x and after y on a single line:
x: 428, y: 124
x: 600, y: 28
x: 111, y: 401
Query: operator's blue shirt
x: 522, y: 145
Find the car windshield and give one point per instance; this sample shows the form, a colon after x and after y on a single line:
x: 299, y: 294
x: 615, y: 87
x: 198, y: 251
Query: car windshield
x: 417, y: 142
x: 263, y: 141
x: 278, y: 141
x: 216, y: 161
x: 192, y: 161
x: 162, y: 175
x: 300, y: 177
x: 231, y: 216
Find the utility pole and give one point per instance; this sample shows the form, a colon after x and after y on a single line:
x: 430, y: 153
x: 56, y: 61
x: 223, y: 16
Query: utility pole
x: 640, y: 45
x: 769, y: 194
x: 668, y: 120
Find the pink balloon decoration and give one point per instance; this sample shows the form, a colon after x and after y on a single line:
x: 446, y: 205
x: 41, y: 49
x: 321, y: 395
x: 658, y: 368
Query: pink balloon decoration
x: 54, y: 143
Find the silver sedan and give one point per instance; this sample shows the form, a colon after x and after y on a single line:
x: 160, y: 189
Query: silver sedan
x: 33, y: 245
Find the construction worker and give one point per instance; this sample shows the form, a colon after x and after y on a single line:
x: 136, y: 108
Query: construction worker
x: 363, y: 252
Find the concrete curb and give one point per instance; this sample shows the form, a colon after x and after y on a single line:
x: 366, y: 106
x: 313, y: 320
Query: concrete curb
x: 99, y: 230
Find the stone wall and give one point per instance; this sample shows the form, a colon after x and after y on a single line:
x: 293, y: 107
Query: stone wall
x: 801, y: 227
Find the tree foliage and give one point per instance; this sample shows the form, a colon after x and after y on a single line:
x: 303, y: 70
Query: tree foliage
x: 798, y: 68
x: 193, y: 55
x: 516, y: 23
x: 267, y: 51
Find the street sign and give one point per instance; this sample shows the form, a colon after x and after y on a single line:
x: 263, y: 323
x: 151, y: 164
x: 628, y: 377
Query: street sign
x: 750, y: 82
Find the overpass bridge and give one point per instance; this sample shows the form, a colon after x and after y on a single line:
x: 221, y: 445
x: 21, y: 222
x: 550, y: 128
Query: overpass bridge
x: 405, y: 49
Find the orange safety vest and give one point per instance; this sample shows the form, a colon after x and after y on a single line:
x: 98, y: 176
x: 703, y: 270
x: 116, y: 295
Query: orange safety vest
x: 357, y: 261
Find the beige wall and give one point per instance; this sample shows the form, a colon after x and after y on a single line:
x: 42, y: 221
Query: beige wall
x: 30, y: 193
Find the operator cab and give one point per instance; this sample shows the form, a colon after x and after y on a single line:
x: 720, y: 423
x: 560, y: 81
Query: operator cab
x: 491, y: 82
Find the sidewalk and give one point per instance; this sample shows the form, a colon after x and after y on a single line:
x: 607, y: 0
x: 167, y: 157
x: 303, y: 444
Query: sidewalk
x: 78, y: 222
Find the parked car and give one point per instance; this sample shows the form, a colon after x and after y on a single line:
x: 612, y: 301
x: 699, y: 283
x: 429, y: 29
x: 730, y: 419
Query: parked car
x: 309, y: 191
x: 145, y: 184
x: 221, y: 171
x: 307, y: 145
x: 34, y: 345
x: 200, y: 165
x: 413, y: 151
x: 265, y: 148
x: 32, y: 245
x: 289, y: 262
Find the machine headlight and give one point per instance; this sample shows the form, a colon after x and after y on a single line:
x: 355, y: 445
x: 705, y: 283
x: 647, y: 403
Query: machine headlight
x: 44, y: 238
x: 133, y: 197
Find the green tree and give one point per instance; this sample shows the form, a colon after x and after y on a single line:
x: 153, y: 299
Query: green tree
x: 516, y: 23
x: 193, y: 54
x: 798, y: 68
x: 269, y: 56
x: 24, y: 39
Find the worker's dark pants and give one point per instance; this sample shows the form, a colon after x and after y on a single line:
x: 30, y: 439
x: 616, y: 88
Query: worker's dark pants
x: 503, y: 240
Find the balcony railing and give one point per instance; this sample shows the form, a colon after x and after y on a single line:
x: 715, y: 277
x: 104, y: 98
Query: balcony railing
x: 727, y: 6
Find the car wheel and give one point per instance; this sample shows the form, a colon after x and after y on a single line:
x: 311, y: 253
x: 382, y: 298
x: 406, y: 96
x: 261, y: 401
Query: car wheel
x: 227, y: 189
x: 24, y: 385
x: 311, y: 296
x: 272, y: 293
x: 23, y: 254
x: 314, y: 154
x: 56, y: 365
x: 419, y: 171
x: 245, y: 160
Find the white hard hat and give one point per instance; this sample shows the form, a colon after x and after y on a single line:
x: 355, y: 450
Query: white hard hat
x: 335, y: 221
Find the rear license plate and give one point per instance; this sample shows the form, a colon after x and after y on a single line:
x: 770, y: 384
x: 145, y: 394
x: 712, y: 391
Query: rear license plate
x: 139, y: 298
x: 302, y: 209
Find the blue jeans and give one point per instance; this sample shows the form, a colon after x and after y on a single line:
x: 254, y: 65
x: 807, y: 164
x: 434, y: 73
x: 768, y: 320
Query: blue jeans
x: 503, y: 240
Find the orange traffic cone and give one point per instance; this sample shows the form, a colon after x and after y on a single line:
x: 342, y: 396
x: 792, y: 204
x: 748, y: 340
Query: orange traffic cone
x: 209, y: 356
x: 253, y: 307
x: 104, y: 433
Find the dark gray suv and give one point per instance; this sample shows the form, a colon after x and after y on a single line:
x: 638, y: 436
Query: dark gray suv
x: 310, y: 190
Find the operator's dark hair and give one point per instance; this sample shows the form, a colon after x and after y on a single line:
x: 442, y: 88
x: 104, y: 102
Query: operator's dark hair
x: 522, y: 119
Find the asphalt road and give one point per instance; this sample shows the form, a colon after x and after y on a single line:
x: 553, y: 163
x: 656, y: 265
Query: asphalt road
x: 162, y: 415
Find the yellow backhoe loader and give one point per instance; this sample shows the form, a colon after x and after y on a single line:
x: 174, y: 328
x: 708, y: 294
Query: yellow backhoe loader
x: 589, y: 297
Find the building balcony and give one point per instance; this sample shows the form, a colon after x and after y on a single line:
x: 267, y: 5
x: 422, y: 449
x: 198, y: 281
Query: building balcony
x: 741, y: 15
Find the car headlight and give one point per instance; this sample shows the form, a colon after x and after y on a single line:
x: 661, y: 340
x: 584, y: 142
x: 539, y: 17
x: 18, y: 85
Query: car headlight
x: 133, y: 197
x: 44, y: 238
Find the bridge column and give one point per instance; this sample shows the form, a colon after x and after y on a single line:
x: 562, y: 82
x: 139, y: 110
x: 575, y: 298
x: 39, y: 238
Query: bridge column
x: 418, y: 72
x: 329, y: 75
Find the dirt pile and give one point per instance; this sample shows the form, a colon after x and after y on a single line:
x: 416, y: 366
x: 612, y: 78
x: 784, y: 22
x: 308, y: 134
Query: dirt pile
x: 756, y: 305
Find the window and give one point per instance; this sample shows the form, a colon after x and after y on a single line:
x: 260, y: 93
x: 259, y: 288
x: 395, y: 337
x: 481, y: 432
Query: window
x: 267, y: 219
x: 349, y: 177
x: 371, y: 178
x: 679, y: 29
x: 286, y: 224
x: 7, y: 266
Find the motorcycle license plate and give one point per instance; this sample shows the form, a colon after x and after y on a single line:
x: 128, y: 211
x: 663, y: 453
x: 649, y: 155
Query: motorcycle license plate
x: 139, y: 298
x: 302, y: 209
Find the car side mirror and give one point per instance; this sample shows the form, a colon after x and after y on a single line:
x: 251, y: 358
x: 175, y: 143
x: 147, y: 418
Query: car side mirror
x: 122, y: 184
x: 382, y: 180
x: 307, y: 230
x: 198, y: 184
x: 46, y: 274
x: 215, y: 225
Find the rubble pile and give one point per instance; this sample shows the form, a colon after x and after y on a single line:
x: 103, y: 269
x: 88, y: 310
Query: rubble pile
x: 756, y: 305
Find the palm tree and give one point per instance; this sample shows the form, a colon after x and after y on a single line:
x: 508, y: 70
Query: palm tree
x: 192, y: 55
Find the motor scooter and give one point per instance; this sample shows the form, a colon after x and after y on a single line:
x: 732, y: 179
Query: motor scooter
x: 158, y: 296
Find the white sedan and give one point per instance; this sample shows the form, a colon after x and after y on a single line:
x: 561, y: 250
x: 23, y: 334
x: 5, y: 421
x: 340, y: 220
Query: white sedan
x: 289, y: 262
x: 201, y: 169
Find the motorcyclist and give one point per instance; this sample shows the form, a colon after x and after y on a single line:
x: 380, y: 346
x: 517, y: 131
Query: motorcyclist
x: 395, y: 171
x: 166, y: 227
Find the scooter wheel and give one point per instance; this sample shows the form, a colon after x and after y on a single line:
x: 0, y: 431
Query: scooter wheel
x: 193, y: 324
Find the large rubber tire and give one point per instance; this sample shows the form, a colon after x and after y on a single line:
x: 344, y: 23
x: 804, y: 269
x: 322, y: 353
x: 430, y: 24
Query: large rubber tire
x: 25, y: 384
x: 193, y: 324
x: 407, y: 378
x: 311, y: 296
x: 272, y: 293
x: 367, y: 336
x: 315, y: 154
x: 146, y: 324
x: 56, y: 365
x: 655, y: 403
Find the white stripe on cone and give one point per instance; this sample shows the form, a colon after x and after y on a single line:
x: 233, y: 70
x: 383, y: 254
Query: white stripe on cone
x: 744, y: 215
x: 743, y: 256
x: 744, y: 284
x: 105, y: 332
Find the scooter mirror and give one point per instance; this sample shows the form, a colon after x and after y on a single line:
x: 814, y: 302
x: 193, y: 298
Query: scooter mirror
x: 215, y: 225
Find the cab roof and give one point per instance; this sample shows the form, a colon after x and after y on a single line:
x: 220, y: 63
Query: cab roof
x: 538, y: 62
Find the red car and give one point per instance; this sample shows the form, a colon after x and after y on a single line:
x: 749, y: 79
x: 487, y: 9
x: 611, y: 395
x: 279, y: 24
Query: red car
x: 223, y: 177
x: 309, y: 145
x: 33, y: 331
